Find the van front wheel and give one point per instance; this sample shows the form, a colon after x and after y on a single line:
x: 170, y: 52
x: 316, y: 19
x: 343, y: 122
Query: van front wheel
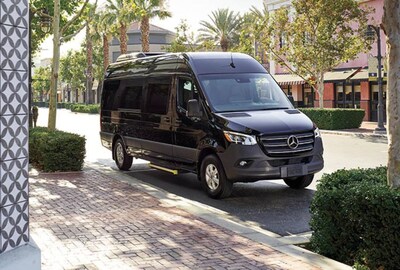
x: 299, y: 182
x: 122, y: 159
x: 213, y: 178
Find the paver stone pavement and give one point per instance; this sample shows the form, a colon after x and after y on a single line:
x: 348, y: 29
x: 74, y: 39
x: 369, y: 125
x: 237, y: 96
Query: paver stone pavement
x: 87, y: 220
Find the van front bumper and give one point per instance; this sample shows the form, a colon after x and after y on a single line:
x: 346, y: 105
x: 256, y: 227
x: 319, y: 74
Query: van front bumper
x: 250, y: 163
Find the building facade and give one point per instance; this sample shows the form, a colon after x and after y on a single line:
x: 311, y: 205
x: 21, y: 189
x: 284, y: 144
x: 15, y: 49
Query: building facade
x: 159, y: 39
x: 350, y: 85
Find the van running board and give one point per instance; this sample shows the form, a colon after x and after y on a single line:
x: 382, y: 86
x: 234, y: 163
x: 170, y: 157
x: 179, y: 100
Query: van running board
x: 174, y: 172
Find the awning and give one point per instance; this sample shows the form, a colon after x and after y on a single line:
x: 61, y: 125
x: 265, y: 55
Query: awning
x: 339, y: 75
x: 362, y: 75
x: 288, y: 79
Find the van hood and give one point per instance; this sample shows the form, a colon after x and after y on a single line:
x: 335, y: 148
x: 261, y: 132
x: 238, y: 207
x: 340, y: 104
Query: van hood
x: 265, y: 122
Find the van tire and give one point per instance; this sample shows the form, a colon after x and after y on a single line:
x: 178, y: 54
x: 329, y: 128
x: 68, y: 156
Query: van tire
x: 122, y: 159
x: 299, y: 182
x: 213, y: 178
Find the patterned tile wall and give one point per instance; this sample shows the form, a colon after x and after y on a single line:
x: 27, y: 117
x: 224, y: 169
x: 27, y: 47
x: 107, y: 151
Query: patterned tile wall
x: 14, y: 53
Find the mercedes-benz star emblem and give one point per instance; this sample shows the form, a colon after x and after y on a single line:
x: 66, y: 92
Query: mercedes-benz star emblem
x: 293, y: 142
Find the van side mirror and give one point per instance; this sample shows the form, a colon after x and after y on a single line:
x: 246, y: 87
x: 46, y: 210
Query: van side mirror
x: 193, y: 109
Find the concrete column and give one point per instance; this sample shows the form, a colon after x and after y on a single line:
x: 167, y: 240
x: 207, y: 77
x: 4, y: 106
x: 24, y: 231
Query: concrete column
x: 14, y: 216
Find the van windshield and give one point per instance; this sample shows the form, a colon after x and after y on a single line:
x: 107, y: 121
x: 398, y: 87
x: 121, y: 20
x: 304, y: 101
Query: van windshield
x: 243, y: 92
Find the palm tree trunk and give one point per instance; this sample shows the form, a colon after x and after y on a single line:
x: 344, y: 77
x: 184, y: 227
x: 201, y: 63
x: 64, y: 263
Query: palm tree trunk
x: 224, y: 44
x: 144, y: 29
x: 123, y: 39
x: 106, y: 52
x: 89, y: 71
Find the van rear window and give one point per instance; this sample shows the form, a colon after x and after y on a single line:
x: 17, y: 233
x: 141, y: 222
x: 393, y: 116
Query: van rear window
x: 109, y: 93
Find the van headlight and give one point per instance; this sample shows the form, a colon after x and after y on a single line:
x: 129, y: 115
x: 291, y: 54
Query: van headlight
x: 240, y: 138
x: 317, y: 133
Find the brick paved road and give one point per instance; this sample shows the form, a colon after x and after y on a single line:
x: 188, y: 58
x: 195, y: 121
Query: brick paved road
x: 87, y: 220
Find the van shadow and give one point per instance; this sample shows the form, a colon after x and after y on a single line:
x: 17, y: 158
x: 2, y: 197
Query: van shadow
x: 275, y: 207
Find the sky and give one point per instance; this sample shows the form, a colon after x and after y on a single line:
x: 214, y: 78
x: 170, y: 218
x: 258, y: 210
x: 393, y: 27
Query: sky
x: 193, y: 11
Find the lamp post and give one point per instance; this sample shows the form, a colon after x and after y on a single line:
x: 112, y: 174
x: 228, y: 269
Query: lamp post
x: 45, y: 26
x: 371, y: 31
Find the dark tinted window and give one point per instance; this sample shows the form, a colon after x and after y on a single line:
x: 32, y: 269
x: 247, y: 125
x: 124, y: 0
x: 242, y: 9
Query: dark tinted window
x: 131, y: 94
x: 109, y: 94
x: 157, y: 95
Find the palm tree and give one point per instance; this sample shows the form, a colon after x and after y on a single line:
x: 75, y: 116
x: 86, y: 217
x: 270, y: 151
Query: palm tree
x: 89, y: 52
x: 102, y: 33
x: 222, y: 28
x: 122, y: 13
x: 147, y: 9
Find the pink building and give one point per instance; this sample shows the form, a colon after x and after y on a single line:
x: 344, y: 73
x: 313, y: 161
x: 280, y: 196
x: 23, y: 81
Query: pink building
x: 350, y: 85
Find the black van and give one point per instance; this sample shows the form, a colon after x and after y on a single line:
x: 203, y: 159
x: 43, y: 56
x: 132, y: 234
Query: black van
x: 219, y: 115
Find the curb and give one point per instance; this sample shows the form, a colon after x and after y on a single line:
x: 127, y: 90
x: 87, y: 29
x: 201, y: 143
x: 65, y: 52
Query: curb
x: 221, y: 218
x: 362, y: 135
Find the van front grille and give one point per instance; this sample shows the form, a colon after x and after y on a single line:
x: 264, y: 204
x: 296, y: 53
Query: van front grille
x: 288, y: 145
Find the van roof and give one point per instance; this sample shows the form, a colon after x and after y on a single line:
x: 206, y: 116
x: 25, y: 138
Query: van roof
x: 200, y: 62
x: 223, y: 62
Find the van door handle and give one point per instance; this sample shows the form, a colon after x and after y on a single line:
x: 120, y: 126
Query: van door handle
x: 167, y: 119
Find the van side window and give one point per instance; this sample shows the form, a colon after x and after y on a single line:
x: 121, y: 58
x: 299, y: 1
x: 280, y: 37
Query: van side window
x: 110, y: 89
x: 186, y: 90
x: 157, y: 95
x: 132, y: 94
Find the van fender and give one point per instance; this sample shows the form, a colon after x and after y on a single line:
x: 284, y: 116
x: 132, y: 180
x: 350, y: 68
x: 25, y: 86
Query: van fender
x: 209, y: 146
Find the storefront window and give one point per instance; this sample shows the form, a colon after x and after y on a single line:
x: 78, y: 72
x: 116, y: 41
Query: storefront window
x: 357, y: 96
x: 339, y: 96
x: 348, y: 95
x: 308, y: 96
x: 374, y: 101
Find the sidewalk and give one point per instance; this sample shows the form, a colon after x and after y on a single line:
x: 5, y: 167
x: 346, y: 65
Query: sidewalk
x: 367, y: 129
x: 95, y: 220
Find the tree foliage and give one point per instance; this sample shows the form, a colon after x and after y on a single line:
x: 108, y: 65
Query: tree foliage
x: 69, y: 7
x: 312, y: 37
x: 221, y: 28
x: 72, y: 69
x: 250, y: 31
x: 41, y: 82
x: 185, y: 41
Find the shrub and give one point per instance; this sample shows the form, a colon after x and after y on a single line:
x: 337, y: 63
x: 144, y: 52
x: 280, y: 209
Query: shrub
x: 63, y: 105
x: 333, y: 119
x: 356, y: 217
x: 82, y: 108
x: 40, y: 104
x: 52, y: 151
x: 45, y: 104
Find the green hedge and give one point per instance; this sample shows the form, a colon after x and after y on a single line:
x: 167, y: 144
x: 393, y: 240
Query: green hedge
x: 356, y: 219
x: 60, y: 105
x: 52, y: 151
x: 333, y: 119
x: 82, y: 108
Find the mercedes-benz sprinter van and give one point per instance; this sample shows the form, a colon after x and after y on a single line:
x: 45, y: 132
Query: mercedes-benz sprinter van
x: 217, y: 114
